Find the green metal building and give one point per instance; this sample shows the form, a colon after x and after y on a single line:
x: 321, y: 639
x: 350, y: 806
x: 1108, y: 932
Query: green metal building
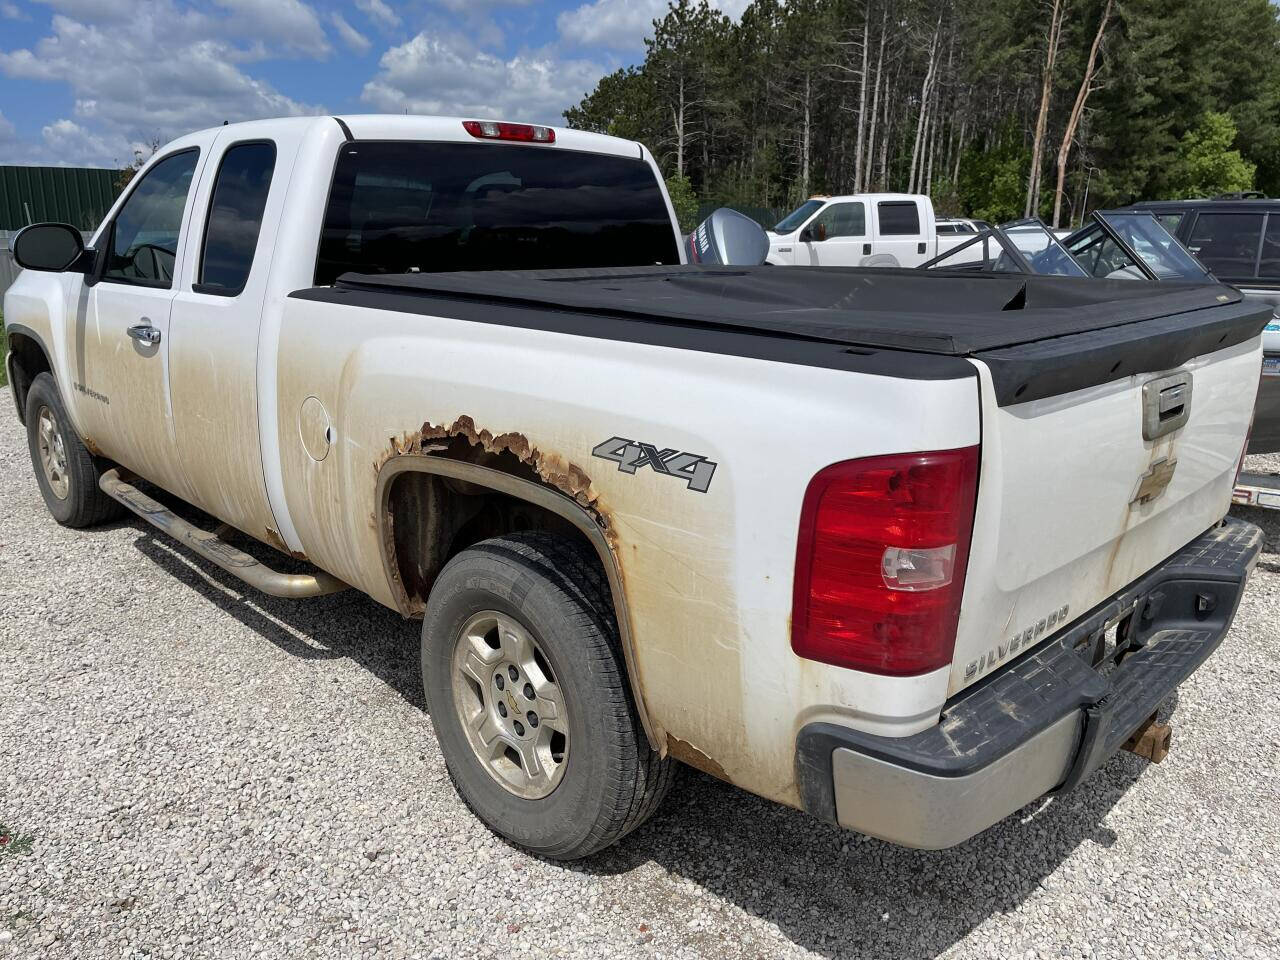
x: 79, y: 196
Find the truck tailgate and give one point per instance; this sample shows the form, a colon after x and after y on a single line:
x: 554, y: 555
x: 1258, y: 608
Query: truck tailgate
x: 1082, y: 492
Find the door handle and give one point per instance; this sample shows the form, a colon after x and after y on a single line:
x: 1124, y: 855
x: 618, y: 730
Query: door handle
x: 866, y: 249
x: 145, y: 332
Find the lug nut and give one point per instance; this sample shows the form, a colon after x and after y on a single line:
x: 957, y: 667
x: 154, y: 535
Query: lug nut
x: 528, y: 691
x: 513, y: 673
x: 499, y: 681
x: 519, y: 728
x: 533, y: 719
x: 502, y: 709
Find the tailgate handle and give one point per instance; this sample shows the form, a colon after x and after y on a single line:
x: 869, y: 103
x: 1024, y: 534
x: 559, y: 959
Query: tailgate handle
x: 1166, y: 404
x: 1172, y: 401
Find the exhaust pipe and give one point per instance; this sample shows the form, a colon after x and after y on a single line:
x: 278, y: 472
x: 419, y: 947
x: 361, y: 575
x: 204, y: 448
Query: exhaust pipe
x: 1151, y: 740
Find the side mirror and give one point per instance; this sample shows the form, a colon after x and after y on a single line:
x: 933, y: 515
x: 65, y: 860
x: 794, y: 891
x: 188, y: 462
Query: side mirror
x: 729, y: 238
x: 814, y: 233
x: 54, y: 247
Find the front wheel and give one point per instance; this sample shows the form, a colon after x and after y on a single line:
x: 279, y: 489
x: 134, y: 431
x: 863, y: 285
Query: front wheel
x: 528, y: 693
x: 65, y: 470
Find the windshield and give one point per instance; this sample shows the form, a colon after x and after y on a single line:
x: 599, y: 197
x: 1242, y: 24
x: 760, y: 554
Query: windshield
x: 1041, y: 249
x: 1145, y: 236
x: 408, y: 207
x: 796, y: 217
x: 972, y: 254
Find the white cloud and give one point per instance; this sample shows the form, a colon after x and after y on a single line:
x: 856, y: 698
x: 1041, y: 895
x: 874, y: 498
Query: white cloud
x: 352, y: 37
x: 291, y: 24
x: 449, y: 76
x: 10, y: 11
x: 98, y: 10
x: 623, y: 24
x: 469, y: 5
x: 163, y: 71
x: 379, y: 13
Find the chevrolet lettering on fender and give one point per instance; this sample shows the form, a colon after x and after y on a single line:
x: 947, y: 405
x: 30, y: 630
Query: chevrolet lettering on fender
x: 464, y: 366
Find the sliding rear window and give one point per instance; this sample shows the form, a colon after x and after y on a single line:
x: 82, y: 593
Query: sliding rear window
x: 428, y: 207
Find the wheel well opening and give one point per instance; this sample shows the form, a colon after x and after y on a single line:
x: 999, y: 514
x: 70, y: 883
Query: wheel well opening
x: 430, y: 518
x: 29, y: 361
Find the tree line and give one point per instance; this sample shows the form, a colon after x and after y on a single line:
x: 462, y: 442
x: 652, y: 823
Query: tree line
x: 997, y: 110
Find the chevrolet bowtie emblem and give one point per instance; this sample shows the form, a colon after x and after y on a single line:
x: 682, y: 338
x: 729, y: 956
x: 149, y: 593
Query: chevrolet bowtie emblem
x: 1152, y: 483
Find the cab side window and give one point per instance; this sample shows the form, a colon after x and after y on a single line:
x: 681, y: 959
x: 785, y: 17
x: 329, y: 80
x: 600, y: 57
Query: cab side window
x: 144, y: 237
x: 843, y: 220
x: 1227, y: 243
x: 235, y: 218
x: 899, y: 218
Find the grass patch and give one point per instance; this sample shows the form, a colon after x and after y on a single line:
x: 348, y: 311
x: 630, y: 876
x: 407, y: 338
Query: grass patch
x: 14, y: 844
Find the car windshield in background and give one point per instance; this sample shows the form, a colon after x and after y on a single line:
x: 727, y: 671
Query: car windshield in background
x: 1152, y: 243
x: 406, y: 207
x: 1041, y: 249
x: 798, y: 216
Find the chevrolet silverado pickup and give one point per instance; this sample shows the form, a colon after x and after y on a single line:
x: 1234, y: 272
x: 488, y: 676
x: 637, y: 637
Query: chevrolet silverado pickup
x: 907, y: 550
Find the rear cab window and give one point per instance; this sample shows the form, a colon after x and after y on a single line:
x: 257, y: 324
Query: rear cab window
x: 235, y: 217
x: 898, y: 218
x: 408, y: 207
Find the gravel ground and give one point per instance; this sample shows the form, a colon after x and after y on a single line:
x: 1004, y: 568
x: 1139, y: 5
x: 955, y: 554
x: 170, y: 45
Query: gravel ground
x: 206, y: 772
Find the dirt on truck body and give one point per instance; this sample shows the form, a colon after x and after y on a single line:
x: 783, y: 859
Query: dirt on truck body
x: 800, y: 528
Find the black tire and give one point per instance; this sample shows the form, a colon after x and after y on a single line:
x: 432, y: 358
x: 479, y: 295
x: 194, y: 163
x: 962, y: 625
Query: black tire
x: 83, y: 504
x: 555, y: 589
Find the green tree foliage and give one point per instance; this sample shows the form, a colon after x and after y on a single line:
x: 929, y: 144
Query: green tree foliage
x: 993, y: 178
x: 684, y: 200
x: 1206, y: 163
x: 771, y: 108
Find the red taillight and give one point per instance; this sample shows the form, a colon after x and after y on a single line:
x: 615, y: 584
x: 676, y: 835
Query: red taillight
x: 497, y: 130
x: 881, y: 559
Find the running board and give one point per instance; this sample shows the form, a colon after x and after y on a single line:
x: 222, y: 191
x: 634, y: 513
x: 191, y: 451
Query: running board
x: 216, y: 550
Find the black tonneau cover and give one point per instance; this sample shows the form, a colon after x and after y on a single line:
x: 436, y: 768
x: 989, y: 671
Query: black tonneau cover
x: 1039, y: 335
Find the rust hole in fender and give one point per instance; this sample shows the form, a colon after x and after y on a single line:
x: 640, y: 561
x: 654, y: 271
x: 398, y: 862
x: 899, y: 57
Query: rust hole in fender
x: 429, y: 518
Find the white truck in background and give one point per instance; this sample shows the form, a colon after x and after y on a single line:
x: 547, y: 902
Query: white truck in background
x: 653, y: 511
x: 861, y: 230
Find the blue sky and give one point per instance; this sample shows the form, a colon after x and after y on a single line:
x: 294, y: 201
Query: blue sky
x: 88, y: 81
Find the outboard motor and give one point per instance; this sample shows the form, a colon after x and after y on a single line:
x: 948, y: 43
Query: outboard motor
x: 728, y: 238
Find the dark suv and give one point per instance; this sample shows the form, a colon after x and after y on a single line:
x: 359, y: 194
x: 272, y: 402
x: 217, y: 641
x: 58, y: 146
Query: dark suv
x: 1237, y: 236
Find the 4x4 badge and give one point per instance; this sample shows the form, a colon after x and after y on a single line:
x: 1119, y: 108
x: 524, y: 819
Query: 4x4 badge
x: 630, y: 456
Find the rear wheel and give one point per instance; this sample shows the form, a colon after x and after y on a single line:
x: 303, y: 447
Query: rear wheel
x: 528, y: 693
x: 65, y: 470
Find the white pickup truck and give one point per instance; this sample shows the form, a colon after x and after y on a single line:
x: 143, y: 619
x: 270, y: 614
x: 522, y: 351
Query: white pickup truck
x: 907, y: 550
x: 862, y: 230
